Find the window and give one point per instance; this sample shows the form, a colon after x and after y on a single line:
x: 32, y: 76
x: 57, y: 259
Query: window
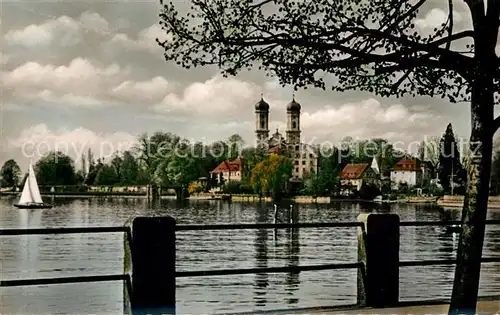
x: 297, y: 170
x: 310, y: 155
x: 296, y: 162
x: 262, y: 125
x: 297, y: 155
x: 297, y: 147
x: 304, y: 170
x: 303, y: 162
x: 294, y: 124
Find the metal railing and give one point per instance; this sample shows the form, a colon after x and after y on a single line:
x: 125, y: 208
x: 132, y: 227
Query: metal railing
x: 180, y: 274
x: 73, y: 279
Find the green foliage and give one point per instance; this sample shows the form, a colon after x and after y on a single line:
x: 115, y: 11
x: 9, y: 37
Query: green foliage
x: 403, y: 188
x: 129, y: 169
x: 252, y: 157
x: 237, y: 188
x: 325, y: 182
x: 116, y: 162
x: 271, y: 176
x: 55, y: 168
x: 107, y: 176
x: 79, y: 177
x: 235, y: 146
x: 449, y: 161
x: 311, y: 185
x: 10, y: 174
x: 94, y: 168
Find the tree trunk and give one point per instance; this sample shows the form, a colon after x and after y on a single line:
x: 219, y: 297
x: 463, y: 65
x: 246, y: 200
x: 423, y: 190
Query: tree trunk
x: 466, y: 282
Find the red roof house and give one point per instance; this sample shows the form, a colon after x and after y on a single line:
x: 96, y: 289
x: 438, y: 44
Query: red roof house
x: 230, y: 170
x: 353, y: 175
x: 353, y: 171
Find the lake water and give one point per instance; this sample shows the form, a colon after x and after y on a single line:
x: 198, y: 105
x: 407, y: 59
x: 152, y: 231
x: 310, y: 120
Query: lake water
x: 27, y: 257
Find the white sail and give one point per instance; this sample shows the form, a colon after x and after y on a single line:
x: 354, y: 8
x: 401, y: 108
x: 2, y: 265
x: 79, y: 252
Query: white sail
x: 26, y: 194
x: 31, y: 193
x: 35, y: 192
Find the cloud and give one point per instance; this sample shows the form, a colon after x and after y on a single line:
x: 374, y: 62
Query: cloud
x: 216, y: 96
x: 435, y: 18
x: 64, y: 31
x: 93, y: 21
x: 35, y: 141
x: 370, y: 119
x: 151, y: 91
x: 81, y: 82
x: 144, y: 41
x: 11, y: 107
x: 4, y: 58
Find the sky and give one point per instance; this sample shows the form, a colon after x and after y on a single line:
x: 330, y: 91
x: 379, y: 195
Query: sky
x: 80, y: 74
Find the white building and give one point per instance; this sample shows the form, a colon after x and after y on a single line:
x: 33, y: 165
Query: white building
x: 407, y: 171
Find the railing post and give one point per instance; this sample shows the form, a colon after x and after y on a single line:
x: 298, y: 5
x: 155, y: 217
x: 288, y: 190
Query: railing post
x: 127, y: 267
x: 153, y: 266
x: 378, y: 250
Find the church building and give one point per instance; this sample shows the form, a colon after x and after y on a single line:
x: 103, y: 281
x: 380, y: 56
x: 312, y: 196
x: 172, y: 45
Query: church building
x: 304, y: 157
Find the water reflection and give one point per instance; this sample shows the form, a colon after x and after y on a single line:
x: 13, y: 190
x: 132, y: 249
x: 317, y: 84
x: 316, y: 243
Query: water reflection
x: 261, y: 259
x: 28, y: 248
x: 292, y: 253
x: 94, y: 254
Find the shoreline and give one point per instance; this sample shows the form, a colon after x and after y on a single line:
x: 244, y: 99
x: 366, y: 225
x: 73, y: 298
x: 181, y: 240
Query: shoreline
x: 227, y: 197
x: 445, y: 201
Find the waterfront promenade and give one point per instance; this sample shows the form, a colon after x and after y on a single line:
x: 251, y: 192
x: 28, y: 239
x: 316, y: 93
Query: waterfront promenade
x: 483, y: 308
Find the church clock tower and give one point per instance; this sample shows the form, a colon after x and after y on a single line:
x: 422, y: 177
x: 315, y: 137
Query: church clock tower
x: 293, y: 122
x: 262, y: 123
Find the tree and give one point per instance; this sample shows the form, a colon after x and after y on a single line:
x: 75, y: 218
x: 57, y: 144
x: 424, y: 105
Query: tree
x: 154, y: 150
x: 235, y: 143
x: 450, y: 169
x: 116, y: 162
x: 429, y: 151
x: 10, y: 174
x: 84, y: 165
x: 94, y: 169
x: 129, y: 169
x: 107, y: 176
x: 328, y: 169
x: 55, y: 168
x: 252, y: 157
x: 271, y: 176
x: 79, y: 177
x: 366, y: 45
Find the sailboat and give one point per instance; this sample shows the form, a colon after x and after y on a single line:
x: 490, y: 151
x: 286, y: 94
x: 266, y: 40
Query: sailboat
x: 30, y: 197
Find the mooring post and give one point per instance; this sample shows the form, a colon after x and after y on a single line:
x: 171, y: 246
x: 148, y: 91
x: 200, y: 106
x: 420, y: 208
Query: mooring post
x: 153, y: 266
x: 378, y: 250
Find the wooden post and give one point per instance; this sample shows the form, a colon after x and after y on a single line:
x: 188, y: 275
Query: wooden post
x: 378, y: 249
x: 153, y: 266
x: 127, y: 268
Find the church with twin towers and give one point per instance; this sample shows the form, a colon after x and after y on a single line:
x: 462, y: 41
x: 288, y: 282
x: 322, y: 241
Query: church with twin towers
x: 304, y: 157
